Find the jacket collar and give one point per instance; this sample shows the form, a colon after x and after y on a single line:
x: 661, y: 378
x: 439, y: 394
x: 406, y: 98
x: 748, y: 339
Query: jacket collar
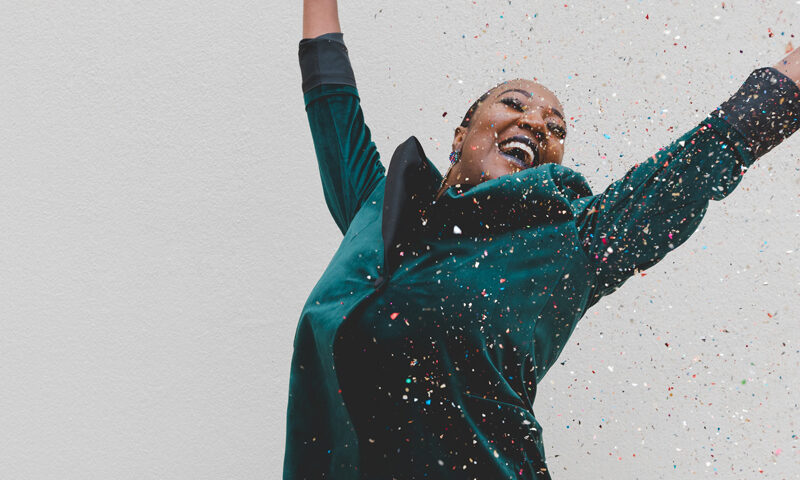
x: 527, y: 199
x: 411, y: 184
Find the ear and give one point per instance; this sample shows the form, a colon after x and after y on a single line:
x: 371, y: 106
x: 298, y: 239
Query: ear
x: 459, y: 137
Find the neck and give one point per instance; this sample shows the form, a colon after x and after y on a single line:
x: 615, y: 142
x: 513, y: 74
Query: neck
x: 442, y: 189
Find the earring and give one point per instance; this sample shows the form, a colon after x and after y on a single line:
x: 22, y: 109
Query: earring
x: 453, y: 159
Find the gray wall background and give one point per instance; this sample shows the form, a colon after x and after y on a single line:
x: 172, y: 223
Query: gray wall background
x: 162, y: 223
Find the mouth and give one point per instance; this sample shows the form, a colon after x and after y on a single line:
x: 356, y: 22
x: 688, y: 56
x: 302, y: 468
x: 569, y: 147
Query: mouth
x: 521, y: 150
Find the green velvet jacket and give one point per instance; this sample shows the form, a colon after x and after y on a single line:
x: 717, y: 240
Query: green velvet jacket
x: 418, y: 352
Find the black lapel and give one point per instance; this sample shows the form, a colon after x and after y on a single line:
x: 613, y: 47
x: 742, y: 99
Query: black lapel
x: 411, y: 183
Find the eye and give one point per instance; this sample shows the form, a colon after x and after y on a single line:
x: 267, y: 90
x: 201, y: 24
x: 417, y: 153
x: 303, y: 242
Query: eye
x: 560, y: 132
x: 513, y: 103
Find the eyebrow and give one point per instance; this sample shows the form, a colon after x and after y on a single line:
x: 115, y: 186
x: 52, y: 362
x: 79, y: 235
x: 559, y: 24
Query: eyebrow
x: 555, y: 110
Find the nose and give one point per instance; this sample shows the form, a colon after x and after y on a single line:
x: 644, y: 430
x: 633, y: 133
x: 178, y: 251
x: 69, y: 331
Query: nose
x: 532, y: 120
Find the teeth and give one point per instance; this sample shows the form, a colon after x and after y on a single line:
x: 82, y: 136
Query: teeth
x: 508, y: 146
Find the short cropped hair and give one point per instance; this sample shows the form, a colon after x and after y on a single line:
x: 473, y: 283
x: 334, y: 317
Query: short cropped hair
x: 468, y: 116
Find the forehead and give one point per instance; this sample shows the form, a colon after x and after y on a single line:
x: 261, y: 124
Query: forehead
x: 537, y: 93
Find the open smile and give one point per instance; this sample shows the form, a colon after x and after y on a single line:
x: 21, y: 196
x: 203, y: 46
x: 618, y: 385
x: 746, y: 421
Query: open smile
x: 520, y: 150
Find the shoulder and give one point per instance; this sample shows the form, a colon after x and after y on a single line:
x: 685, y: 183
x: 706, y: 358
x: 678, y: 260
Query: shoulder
x: 570, y: 183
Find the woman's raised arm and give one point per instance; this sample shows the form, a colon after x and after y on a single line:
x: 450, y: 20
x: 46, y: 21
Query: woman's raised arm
x: 659, y: 203
x: 790, y: 65
x: 320, y: 17
x: 349, y: 164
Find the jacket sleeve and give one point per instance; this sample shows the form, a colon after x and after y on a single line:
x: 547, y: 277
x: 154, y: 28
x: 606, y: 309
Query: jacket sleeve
x: 349, y: 164
x: 659, y: 203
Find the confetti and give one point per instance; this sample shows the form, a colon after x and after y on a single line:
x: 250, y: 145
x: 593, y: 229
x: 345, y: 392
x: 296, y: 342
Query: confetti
x: 533, y: 253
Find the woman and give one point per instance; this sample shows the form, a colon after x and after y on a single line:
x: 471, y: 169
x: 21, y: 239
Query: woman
x: 419, y: 350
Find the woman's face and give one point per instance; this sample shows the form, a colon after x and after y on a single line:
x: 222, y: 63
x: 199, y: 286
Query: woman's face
x: 519, y: 125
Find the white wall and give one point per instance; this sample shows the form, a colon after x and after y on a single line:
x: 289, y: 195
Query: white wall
x: 162, y: 222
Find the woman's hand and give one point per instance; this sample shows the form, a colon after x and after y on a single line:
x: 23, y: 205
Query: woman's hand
x: 790, y: 65
x: 320, y: 17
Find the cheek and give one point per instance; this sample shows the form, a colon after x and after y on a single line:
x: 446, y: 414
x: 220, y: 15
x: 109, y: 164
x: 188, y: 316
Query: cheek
x: 555, y: 146
x: 487, y: 127
x: 480, y: 145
